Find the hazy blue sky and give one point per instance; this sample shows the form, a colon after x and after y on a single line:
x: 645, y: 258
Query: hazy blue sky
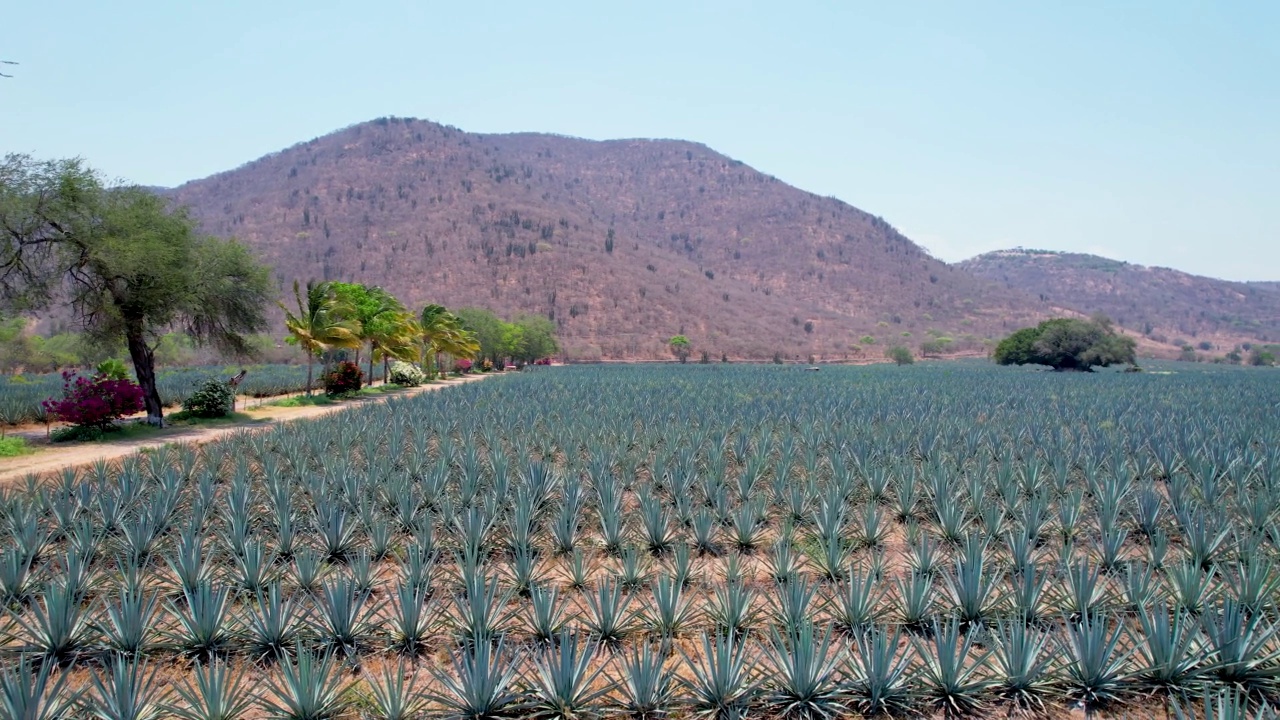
x: 1144, y: 131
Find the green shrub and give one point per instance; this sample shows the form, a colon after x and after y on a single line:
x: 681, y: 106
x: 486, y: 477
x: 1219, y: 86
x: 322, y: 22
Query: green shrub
x: 113, y: 369
x: 406, y: 374
x: 1261, y: 358
x: 77, y: 433
x: 900, y: 355
x: 12, y: 446
x: 214, y: 398
x: 936, y: 346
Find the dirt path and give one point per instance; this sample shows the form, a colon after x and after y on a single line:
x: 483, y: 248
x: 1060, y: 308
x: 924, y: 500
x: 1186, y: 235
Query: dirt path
x: 54, y: 458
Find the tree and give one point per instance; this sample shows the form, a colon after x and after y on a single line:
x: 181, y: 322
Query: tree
x: 377, y: 318
x: 320, y: 324
x: 1067, y: 344
x: 443, y: 332
x: 1018, y: 348
x: 524, y: 339
x: 487, y: 330
x: 1258, y: 357
x: 396, y: 341
x: 900, y: 355
x: 128, y: 264
x: 935, y: 346
x: 680, y: 347
x: 512, y: 345
x: 537, y: 336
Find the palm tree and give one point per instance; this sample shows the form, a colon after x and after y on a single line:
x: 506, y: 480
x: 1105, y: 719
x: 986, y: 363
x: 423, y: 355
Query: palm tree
x: 320, y: 322
x: 394, y: 339
x: 442, y: 332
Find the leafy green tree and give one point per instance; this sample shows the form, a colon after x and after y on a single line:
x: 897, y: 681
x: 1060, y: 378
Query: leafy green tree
x: 1259, y: 357
x: 680, y: 347
x: 175, y: 349
x: 320, y: 323
x: 22, y: 349
x: 1067, y: 344
x: 1018, y: 348
x: 900, y: 355
x: 524, y: 339
x: 512, y: 340
x: 129, y: 264
x: 378, y: 320
x: 487, y: 329
x: 538, y: 338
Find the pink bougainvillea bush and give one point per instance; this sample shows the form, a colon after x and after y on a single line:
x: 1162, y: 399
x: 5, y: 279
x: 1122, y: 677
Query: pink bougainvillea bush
x: 462, y: 365
x: 345, y: 379
x: 94, y: 402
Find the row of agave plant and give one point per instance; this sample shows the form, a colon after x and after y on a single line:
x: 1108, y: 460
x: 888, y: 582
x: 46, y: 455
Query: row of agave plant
x: 20, y: 400
x: 722, y: 542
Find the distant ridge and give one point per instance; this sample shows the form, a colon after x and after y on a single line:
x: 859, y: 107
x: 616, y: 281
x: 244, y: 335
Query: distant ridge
x: 1164, y: 304
x: 624, y: 243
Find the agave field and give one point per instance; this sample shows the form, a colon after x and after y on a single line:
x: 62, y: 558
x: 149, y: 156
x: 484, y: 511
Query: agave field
x: 726, y: 541
x: 20, y: 399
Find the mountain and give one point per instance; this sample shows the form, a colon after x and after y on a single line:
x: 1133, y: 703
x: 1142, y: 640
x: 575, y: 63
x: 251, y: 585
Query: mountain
x: 1166, y: 305
x: 622, y: 243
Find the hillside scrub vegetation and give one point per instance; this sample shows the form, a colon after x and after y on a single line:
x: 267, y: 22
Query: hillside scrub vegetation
x: 519, y: 223
x: 1067, y: 344
x: 1158, y: 302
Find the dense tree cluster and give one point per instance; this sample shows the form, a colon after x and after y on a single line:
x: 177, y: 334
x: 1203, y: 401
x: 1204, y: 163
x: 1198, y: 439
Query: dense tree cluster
x: 333, y: 316
x: 1067, y: 344
x: 524, y: 339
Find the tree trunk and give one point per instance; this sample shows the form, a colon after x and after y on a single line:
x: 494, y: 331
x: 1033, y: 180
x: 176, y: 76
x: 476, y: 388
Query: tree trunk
x: 369, y: 380
x: 144, y: 366
x: 310, y: 361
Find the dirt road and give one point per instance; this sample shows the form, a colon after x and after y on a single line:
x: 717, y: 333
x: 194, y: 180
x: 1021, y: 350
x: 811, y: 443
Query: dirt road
x: 54, y: 458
